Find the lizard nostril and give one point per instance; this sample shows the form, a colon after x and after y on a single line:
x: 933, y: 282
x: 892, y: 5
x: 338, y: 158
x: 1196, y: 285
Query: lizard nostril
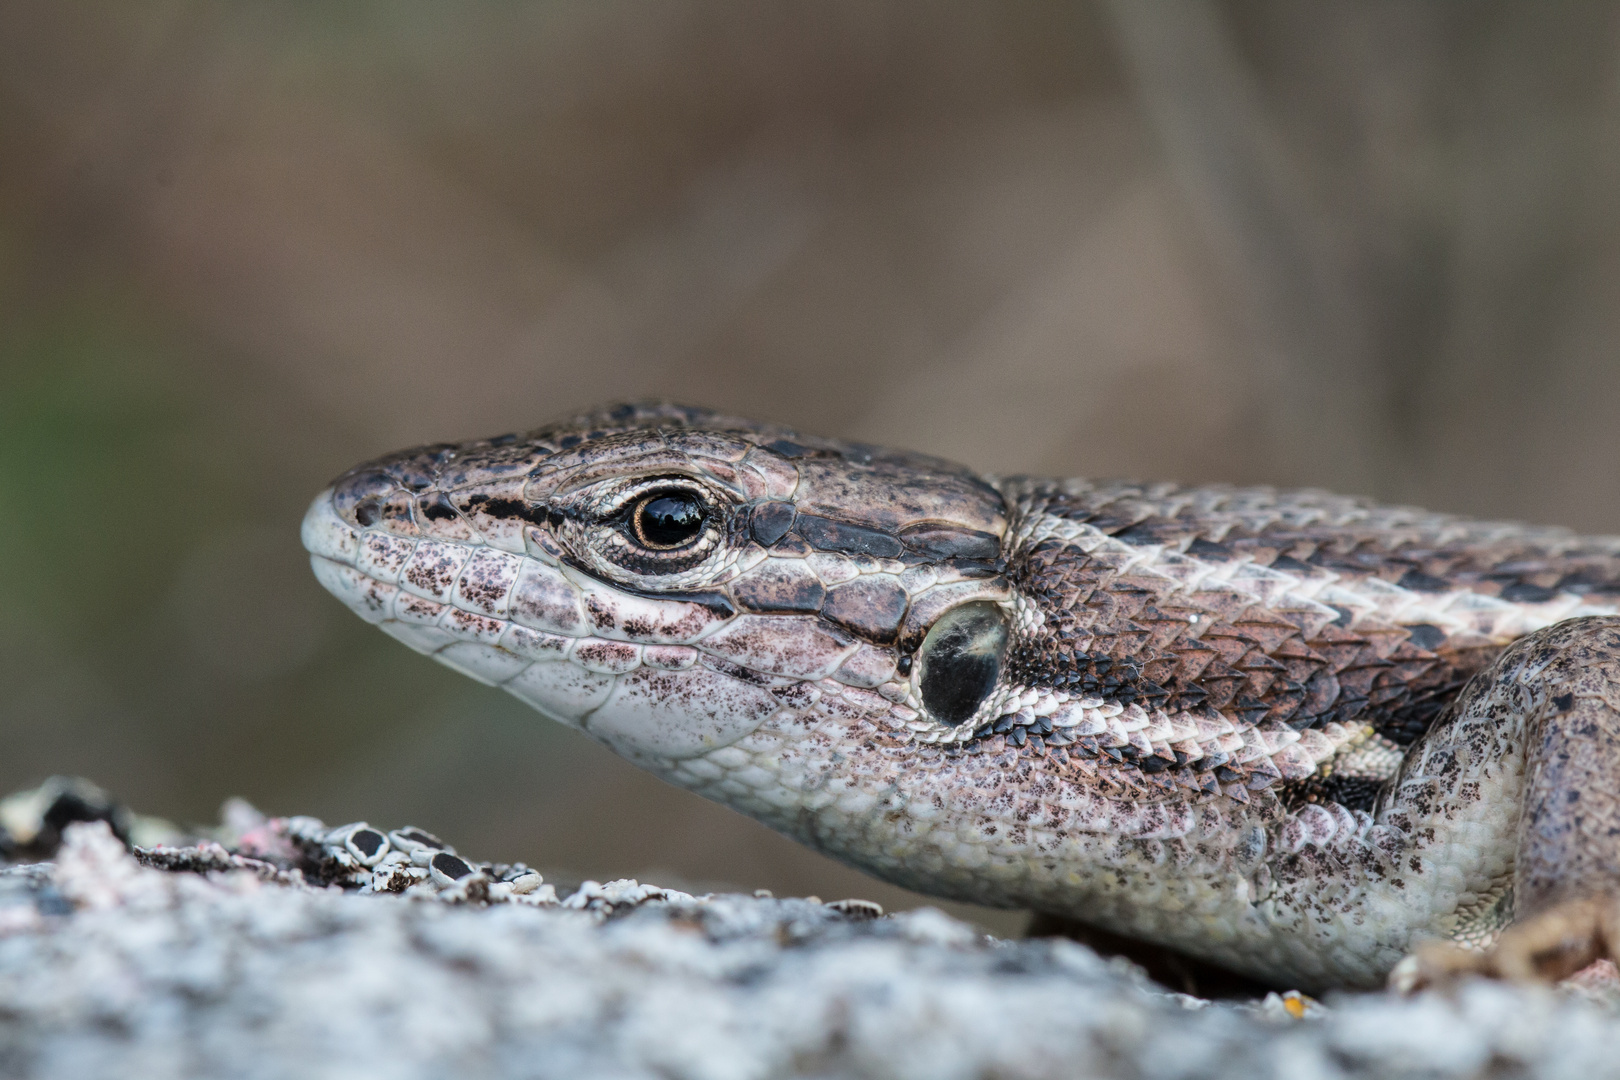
x: 960, y: 660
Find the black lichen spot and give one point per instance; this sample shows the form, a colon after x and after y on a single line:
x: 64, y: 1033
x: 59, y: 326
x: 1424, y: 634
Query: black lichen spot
x: 450, y: 866
x: 367, y: 841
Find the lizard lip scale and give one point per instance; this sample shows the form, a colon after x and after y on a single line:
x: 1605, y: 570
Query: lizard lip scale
x: 1227, y: 721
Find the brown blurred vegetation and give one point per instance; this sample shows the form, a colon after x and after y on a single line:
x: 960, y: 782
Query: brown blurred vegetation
x: 1370, y: 246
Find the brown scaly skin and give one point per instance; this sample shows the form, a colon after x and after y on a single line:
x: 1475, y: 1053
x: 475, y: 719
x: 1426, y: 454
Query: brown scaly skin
x: 1230, y: 722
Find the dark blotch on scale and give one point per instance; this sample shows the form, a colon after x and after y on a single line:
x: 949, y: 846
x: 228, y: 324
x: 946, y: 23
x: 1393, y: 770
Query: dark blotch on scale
x: 1209, y: 551
x: 771, y: 521
x: 790, y: 449
x: 870, y: 606
x: 1142, y: 534
x: 1426, y: 635
x: 716, y: 602
x: 949, y: 542
x: 826, y: 534
x: 439, y: 509
x: 1525, y: 593
x: 1418, y: 581
x: 780, y: 585
x: 503, y: 509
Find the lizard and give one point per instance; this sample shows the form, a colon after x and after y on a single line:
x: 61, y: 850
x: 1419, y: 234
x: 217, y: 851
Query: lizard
x: 1291, y: 734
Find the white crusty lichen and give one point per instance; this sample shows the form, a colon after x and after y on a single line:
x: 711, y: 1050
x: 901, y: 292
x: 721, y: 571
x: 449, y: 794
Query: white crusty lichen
x: 113, y: 968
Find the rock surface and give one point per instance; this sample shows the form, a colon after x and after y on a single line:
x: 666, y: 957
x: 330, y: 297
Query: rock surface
x: 224, y: 965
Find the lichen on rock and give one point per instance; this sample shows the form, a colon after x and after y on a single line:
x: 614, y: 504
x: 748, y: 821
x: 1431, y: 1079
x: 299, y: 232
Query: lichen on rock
x: 264, y: 956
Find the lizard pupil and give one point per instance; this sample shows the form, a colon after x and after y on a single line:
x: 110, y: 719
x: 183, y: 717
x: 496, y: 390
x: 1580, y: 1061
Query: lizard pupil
x: 960, y: 660
x: 667, y: 519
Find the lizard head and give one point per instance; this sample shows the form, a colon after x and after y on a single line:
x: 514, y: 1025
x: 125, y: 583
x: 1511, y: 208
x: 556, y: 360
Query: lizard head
x: 971, y: 689
x: 675, y: 582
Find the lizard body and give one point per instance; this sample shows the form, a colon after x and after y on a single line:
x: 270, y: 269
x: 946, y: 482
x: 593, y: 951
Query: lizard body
x: 1282, y: 732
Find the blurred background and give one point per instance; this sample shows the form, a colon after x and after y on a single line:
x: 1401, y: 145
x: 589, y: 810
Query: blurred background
x: 1366, y: 246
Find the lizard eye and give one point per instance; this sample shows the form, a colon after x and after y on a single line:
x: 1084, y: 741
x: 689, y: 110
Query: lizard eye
x: 960, y: 660
x: 666, y: 520
x: 657, y: 526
